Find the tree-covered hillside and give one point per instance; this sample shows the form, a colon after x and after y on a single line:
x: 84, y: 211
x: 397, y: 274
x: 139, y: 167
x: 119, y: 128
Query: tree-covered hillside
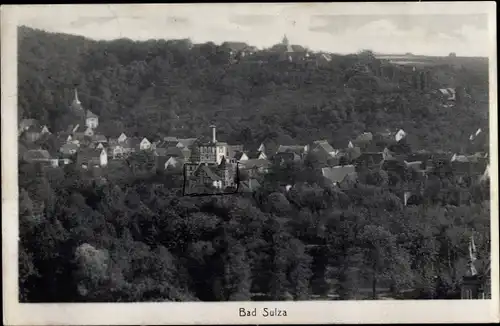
x: 124, y: 233
x: 137, y: 87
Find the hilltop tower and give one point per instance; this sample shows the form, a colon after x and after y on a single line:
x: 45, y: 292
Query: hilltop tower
x: 285, y: 41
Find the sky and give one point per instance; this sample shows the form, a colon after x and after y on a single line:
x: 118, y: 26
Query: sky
x: 428, y: 29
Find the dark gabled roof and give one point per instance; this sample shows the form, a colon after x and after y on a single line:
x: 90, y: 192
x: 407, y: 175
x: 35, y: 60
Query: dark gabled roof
x: 99, y: 138
x: 208, y: 171
x: 66, y: 148
x: 90, y: 114
x: 171, y: 152
x: 364, y: 137
x: 297, y: 149
x: 170, y: 139
x: 36, y: 155
x: 223, y: 163
x: 414, y: 165
x: 180, y: 160
x: 255, y: 163
x: 254, y: 154
x: 89, y: 153
x: 353, y: 153
x: 187, y: 142
x: 325, y: 145
x: 238, y: 155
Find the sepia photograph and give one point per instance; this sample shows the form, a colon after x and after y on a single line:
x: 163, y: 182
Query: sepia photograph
x: 262, y: 155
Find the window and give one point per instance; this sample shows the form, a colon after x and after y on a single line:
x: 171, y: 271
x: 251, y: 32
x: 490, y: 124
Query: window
x: 467, y: 294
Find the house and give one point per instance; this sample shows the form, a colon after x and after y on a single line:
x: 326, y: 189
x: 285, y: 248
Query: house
x: 322, y: 148
x: 203, y: 175
x: 145, y: 144
x: 122, y: 138
x: 297, y: 149
x: 89, y: 132
x: 238, y: 49
x: 130, y: 145
x: 89, y: 158
x: 362, y: 141
x: 186, y: 142
x: 174, y: 154
x: 338, y: 174
x: 289, y: 52
x: 418, y: 167
x: 476, y: 282
x: 167, y: 142
x: 255, y: 166
x: 25, y: 124
x: 412, y: 197
x: 115, y: 148
x: 209, y: 151
x: 256, y: 155
x: 99, y: 138
x: 240, y: 156
x: 91, y: 120
x: 462, y: 158
x: 323, y: 59
x: 351, y: 154
x: 33, y: 133
x: 285, y: 157
x: 449, y: 94
x: 400, y: 135
x: 174, y: 163
x: 233, y: 149
x: 69, y: 149
x: 486, y: 175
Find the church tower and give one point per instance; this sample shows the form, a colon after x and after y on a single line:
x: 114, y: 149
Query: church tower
x: 76, y: 105
x: 285, y: 41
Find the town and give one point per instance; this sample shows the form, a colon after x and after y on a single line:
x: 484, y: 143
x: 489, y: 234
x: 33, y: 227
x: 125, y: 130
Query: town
x: 209, y: 163
x: 335, y: 174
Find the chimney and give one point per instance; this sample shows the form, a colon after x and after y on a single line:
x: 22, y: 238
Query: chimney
x: 214, y: 138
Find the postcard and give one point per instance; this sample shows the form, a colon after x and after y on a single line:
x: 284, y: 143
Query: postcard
x: 297, y: 163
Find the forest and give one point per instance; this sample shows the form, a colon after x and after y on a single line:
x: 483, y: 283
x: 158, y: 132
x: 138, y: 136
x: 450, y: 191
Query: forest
x: 161, y: 88
x: 125, y: 233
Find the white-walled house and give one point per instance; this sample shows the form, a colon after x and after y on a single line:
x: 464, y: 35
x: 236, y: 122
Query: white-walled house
x: 91, y: 120
x: 145, y: 144
x: 122, y: 138
x: 400, y: 135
